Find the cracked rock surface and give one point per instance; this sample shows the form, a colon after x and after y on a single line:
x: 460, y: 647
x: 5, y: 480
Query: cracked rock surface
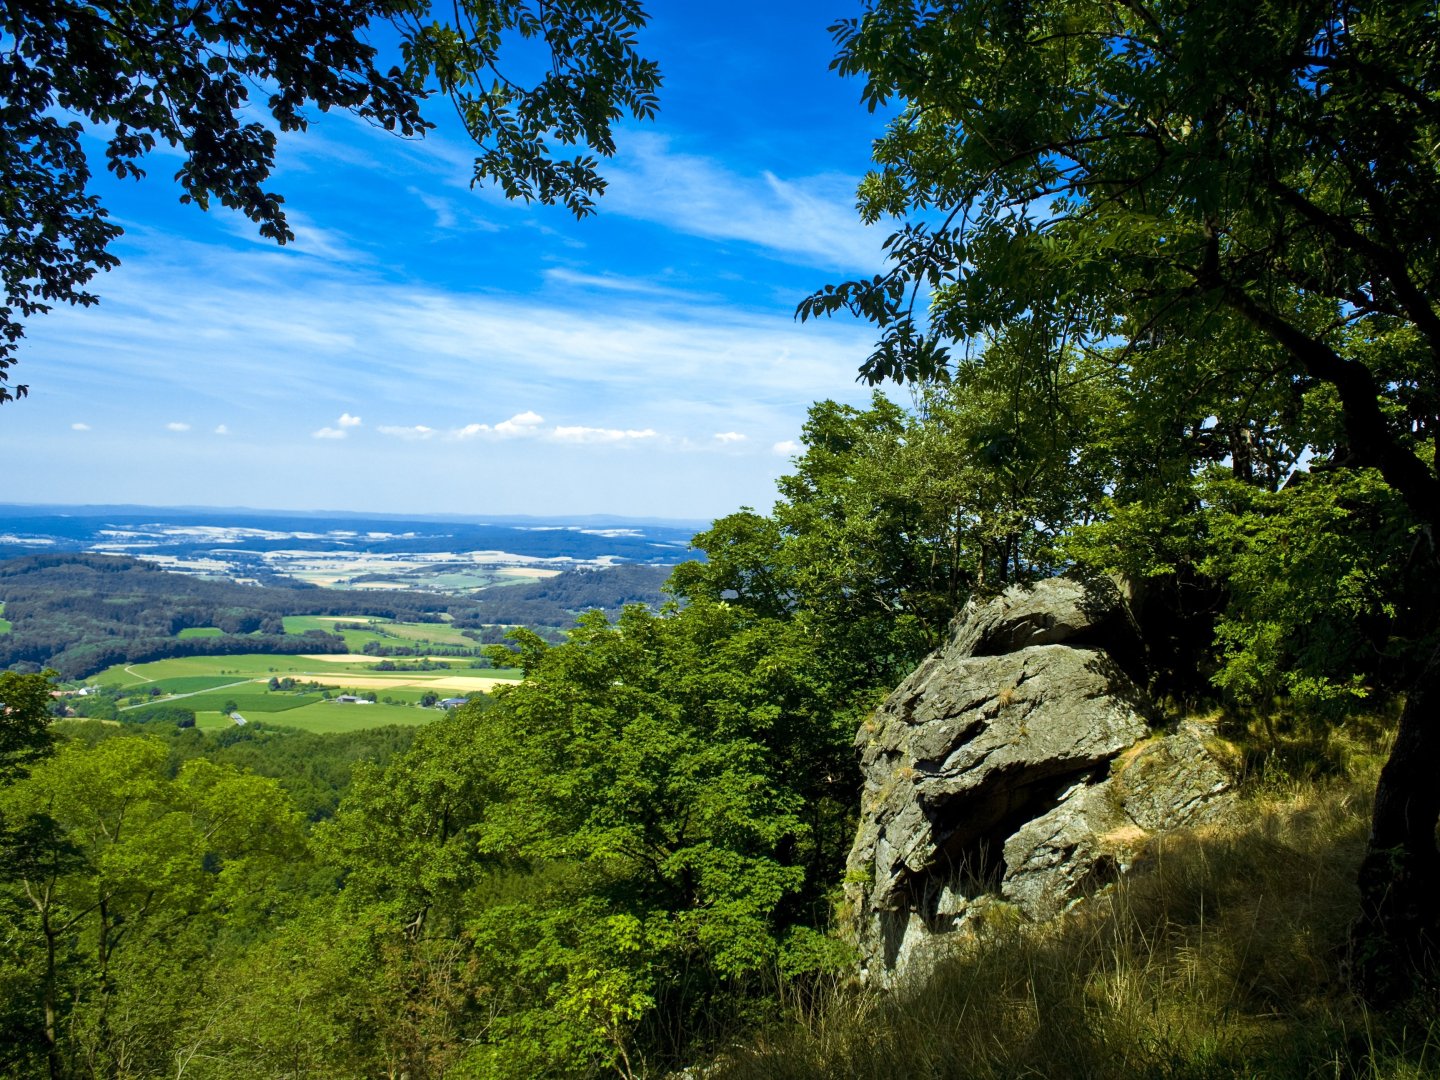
x: 1027, y: 776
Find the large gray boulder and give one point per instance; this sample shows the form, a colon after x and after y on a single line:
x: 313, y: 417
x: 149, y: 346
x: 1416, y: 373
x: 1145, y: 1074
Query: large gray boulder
x: 1096, y: 613
x: 1014, y: 766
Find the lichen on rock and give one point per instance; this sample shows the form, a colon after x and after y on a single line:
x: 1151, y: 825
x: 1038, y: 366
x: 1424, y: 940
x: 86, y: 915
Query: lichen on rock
x: 1015, y: 770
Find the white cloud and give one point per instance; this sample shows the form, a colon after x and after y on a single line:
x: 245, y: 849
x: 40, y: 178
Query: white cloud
x: 221, y: 429
x: 176, y: 425
x: 417, y: 431
x: 810, y: 220
x: 528, y: 424
x: 788, y: 447
x: 611, y: 282
x: 79, y: 427
x: 521, y: 424
x: 319, y: 243
x: 600, y: 435
x: 328, y: 433
x: 346, y: 420
x: 729, y: 437
x: 278, y: 331
x: 448, y: 216
x: 442, y: 209
x: 525, y: 423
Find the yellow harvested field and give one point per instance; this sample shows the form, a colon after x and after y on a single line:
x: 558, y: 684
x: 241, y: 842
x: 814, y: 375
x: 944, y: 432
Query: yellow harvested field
x: 368, y: 682
x: 528, y: 571
x: 343, y: 658
x: 467, y: 682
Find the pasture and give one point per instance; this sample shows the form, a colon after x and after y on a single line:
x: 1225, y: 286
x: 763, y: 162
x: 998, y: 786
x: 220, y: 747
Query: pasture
x: 206, y: 683
x: 379, y: 631
x: 188, y: 684
x: 325, y: 717
x: 248, y: 698
x: 320, y: 668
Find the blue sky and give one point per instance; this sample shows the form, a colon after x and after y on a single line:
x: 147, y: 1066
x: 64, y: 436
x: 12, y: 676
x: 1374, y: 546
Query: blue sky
x: 428, y: 348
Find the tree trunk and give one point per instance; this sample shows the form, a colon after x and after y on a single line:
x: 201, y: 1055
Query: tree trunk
x: 52, y: 1048
x: 1395, y: 943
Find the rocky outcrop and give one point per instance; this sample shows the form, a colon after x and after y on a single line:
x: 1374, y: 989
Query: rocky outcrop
x: 1094, y: 613
x: 1015, y: 770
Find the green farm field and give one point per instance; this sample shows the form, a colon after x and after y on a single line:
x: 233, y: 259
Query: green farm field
x: 261, y: 666
x: 248, y: 698
x: 206, y: 683
x: 383, y: 631
x: 200, y: 631
x: 188, y: 684
x: 325, y: 717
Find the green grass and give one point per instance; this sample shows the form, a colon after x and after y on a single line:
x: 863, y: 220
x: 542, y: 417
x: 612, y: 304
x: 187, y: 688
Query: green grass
x: 228, y: 669
x: 326, y: 716
x: 189, y: 684
x: 5, y: 624
x: 246, y: 701
x: 406, y: 694
x: 1224, y: 959
x: 200, y: 631
x: 384, y: 631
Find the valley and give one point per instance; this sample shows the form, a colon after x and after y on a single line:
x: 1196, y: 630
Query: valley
x: 308, y: 622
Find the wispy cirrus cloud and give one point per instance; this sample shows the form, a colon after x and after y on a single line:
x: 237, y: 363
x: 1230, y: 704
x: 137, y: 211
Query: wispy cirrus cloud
x: 809, y: 219
x: 176, y: 425
x: 727, y: 437
x: 559, y: 275
x: 80, y: 427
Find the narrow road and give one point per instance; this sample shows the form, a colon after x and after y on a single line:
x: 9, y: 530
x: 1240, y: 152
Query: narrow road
x: 193, y: 693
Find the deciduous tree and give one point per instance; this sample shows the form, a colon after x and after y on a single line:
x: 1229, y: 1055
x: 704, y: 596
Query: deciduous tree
x: 1156, y: 172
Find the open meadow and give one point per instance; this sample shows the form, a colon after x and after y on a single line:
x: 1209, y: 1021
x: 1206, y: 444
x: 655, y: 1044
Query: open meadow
x: 327, y: 717
x: 379, y: 631
x: 309, y: 685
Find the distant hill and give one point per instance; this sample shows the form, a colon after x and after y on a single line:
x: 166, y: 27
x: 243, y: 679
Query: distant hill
x: 183, y: 532
x: 82, y: 612
x: 566, y: 595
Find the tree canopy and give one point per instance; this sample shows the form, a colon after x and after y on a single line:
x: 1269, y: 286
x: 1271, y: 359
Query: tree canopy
x: 1236, y: 204
x: 1137, y: 172
x: 183, y: 74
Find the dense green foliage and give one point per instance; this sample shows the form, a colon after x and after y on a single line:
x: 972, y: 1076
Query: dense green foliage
x: 1179, y: 264
x: 627, y: 846
x: 1243, y: 196
x: 894, y: 517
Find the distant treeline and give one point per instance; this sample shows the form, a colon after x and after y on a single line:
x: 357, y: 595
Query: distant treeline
x: 80, y: 613
x: 566, y: 595
x: 87, y: 657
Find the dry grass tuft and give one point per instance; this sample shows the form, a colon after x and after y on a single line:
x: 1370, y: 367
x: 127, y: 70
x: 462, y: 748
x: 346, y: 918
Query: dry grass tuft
x: 1224, y: 960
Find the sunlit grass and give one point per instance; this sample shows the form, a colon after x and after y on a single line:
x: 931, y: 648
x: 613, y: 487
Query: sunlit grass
x: 1225, y: 959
